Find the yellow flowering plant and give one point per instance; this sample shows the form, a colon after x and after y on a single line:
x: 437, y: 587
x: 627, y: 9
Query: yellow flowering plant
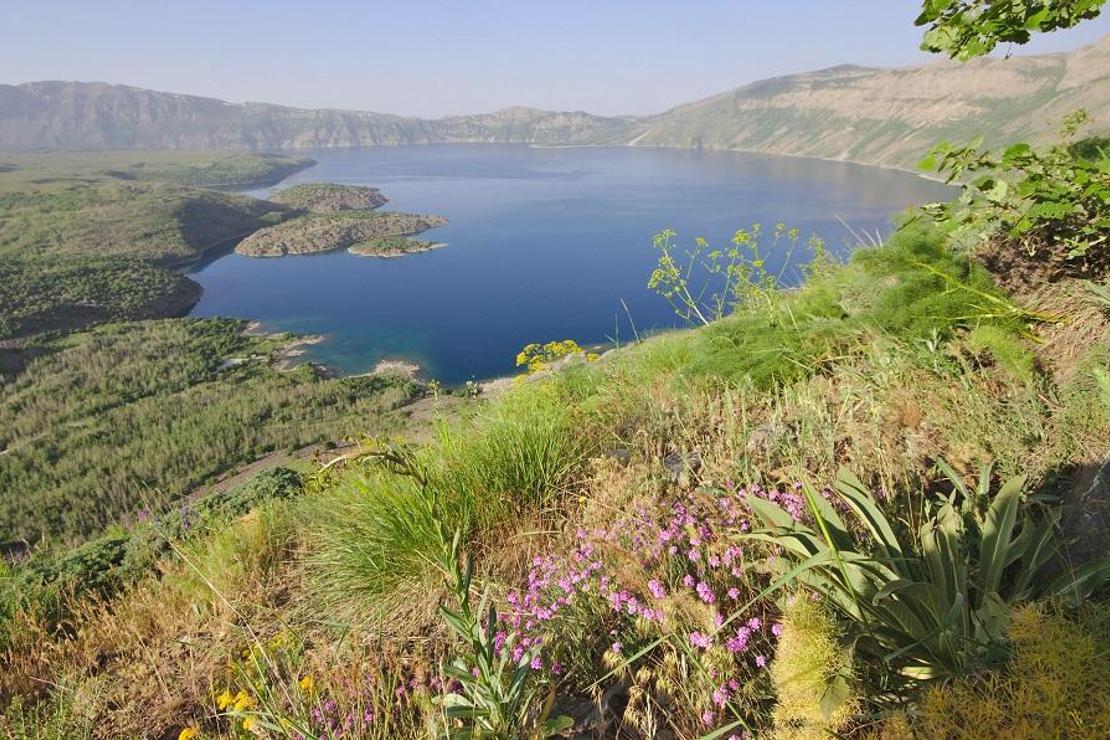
x: 535, y: 357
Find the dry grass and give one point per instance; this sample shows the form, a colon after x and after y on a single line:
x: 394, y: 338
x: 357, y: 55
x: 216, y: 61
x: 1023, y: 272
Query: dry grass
x: 151, y: 660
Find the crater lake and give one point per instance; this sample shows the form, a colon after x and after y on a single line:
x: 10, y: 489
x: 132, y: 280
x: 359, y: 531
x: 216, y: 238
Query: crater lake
x: 541, y: 244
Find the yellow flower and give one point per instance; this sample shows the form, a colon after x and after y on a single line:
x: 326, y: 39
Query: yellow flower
x: 223, y: 701
x: 307, y: 684
x: 243, y: 701
x: 188, y: 733
x: 250, y: 724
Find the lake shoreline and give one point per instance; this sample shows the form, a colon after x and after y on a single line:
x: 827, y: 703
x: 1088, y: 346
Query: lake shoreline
x: 544, y: 246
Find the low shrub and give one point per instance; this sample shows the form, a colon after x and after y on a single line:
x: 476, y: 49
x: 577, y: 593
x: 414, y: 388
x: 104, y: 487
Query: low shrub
x: 1056, y: 684
x: 812, y: 673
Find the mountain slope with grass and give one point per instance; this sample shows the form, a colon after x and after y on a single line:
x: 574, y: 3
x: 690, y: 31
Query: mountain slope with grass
x: 865, y: 505
x: 890, y: 116
x: 874, y: 505
x: 873, y: 116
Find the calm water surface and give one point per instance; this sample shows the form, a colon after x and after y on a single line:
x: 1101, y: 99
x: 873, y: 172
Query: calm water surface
x: 542, y: 244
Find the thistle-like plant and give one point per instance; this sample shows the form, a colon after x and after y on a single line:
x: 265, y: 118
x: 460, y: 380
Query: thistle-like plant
x: 941, y: 609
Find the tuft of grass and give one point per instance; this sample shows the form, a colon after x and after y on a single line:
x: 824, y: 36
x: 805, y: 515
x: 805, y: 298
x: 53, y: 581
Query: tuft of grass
x: 519, y: 453
x: 1005, y: 349
x: 913, y: 289
x: 373, y: 543
x: 375, y: 533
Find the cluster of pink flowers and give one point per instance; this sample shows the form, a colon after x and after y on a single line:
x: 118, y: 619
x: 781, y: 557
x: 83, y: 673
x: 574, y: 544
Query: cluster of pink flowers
x: 687, y: 546
x: 329, y: 720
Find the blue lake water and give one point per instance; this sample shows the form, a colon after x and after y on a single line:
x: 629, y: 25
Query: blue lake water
x: 542, y: 244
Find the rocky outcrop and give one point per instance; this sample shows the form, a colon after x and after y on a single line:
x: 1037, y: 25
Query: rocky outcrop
x: 317, y: 232
x: 326, y: 197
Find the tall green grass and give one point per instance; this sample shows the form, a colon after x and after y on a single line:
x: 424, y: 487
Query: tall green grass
x: 375, y: 534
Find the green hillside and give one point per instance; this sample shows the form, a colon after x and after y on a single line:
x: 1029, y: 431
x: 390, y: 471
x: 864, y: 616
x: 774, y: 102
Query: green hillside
x: 890, y: 116
x: 867, y: 505
x: 874, y: 505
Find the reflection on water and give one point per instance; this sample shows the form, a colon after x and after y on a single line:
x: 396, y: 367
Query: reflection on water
x: 542, y: 244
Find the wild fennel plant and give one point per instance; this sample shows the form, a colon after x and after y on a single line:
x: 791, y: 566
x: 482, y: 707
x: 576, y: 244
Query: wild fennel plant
x: 704, y: 284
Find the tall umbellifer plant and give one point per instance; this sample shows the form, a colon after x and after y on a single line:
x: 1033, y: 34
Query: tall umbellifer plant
x: 938, y: 608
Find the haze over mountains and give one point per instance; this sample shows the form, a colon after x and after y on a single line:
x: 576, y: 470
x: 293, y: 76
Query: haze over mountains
x: 875, y: 116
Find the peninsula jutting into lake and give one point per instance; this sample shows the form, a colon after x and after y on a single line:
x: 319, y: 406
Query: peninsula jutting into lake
x: 338, y: 217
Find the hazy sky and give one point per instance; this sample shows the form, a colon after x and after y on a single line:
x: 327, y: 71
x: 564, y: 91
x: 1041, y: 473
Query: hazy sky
x: 431, y: 58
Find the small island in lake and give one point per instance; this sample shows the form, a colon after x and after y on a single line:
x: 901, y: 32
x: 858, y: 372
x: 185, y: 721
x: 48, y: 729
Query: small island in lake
x: 392, y: 246
x: 339, y: 217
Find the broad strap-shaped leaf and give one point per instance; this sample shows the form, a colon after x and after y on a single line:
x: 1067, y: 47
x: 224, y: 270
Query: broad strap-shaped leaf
x: 1038, y: 547
x: 943, y: 553
x: 862, y: 503
x: 1076, y: 585
x: 824, y: 511
x: 772, y: 515
x: 992, y: 618
x: 996, y: 537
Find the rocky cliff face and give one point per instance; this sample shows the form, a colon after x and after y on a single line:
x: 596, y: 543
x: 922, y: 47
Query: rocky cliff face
x: 876, y: 116
x: 891, y: 116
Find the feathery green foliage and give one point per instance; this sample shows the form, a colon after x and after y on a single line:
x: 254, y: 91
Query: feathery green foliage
x: 913, y: 290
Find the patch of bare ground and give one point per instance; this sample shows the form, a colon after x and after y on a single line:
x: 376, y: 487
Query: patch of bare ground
x: 1075, y: 325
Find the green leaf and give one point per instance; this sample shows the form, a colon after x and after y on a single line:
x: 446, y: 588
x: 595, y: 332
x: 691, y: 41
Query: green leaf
x: 996, y: 538
x: 859, y: 499
x: 1015, y: 152
x: 558, y: 725
x: 1075, y: 585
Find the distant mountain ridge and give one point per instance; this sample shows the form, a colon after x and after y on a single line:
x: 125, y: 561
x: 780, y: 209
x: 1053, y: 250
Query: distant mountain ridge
x: 875, y: 116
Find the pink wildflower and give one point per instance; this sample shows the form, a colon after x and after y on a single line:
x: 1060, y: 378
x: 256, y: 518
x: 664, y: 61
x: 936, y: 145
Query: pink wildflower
x: 697, y: 639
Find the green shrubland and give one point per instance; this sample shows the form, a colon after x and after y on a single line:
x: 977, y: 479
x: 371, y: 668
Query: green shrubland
x: 166, y: 406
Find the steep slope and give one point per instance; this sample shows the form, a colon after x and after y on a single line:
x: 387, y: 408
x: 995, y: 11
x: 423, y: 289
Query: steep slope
x: 891, y: 117
x: 877, y: 116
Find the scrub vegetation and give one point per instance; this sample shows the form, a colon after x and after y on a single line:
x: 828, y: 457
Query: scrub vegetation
x: 871, y: 506
x: 835, y: 509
